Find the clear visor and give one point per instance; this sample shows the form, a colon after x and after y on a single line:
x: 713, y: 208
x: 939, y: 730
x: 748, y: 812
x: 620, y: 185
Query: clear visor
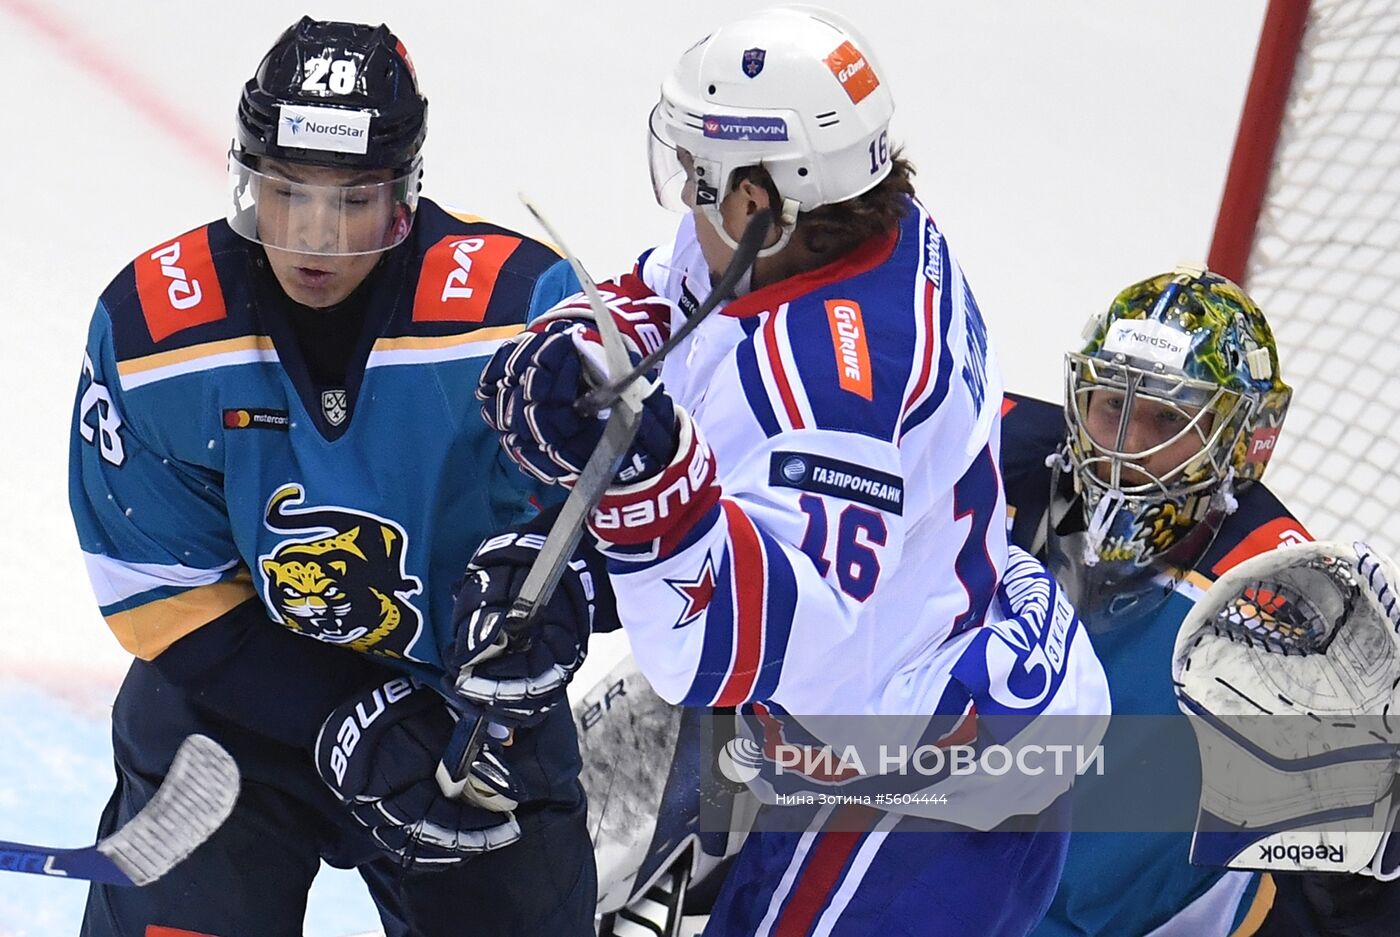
x: 328, y: 212
x: 681, y: 181
x: 1145, y: 433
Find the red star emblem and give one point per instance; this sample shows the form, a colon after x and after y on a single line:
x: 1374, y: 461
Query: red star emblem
x: 697, y: 593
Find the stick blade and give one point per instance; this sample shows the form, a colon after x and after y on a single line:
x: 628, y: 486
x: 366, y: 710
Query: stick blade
x: 195, y: 799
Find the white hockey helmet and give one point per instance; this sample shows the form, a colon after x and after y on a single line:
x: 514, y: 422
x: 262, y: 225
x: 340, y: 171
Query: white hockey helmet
x: 794, y: 89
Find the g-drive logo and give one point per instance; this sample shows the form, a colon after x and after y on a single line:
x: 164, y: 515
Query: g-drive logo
x: 722, y: 127
x: 332, y: 129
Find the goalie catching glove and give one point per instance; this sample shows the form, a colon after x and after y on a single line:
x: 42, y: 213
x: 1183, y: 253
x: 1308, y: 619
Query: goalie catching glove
x: 1290, y: 665
x: 378, y: 752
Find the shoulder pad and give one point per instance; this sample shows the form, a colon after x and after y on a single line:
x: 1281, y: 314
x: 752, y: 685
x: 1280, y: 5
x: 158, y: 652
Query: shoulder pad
x: 830, y: 371
x: 1031, y: 429
x: 1259, y: 523
x: 840, y: 358
x: 472, y: 271
x: 176, y: 293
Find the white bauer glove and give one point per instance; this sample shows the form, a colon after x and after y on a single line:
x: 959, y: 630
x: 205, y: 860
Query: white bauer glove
x: 1289, y: 667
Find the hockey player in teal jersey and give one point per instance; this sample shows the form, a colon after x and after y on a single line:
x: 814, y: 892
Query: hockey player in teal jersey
x: 278, y: 472
x: 1151, y: 491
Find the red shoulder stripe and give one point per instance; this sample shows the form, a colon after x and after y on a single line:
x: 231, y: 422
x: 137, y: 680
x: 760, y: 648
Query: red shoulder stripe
x: 1279, y: 532
x: 459, y: 275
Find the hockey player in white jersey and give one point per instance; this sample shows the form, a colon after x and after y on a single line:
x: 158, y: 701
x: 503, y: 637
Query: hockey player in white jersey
x: 811, y: 520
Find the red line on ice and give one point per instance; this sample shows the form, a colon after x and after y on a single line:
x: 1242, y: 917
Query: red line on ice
x: 134, y: 90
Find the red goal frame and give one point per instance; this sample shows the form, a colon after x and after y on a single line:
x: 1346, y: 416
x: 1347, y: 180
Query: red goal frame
x: 1252, y: 161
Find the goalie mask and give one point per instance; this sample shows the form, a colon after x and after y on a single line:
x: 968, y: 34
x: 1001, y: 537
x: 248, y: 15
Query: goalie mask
x: 793, y: 89
x: 1174, y: 401
x: 1289, y: 667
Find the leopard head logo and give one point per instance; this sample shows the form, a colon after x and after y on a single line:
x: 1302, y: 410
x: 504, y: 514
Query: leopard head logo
x: 346, y: 586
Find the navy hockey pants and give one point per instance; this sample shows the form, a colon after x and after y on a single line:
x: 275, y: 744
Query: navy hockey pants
x: 251, y: 880
x: 856, y: 872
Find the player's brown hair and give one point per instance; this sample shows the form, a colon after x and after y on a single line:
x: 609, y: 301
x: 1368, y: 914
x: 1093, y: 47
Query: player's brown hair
x: 835, y: 229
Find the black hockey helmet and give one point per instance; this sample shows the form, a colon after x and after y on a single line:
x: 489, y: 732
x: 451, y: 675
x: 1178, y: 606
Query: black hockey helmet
x: 362, y: 71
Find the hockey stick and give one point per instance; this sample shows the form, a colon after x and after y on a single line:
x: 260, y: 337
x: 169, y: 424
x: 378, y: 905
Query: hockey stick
x: 625, y: 396
x: 605, y: 395
x: 192, y: 802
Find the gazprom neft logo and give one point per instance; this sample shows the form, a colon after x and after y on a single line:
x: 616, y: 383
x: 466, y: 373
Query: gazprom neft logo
x: 332, y: 129
x: 729, y: 127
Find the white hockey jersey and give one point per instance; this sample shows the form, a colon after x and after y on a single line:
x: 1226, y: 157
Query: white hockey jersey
x: 859, y: 544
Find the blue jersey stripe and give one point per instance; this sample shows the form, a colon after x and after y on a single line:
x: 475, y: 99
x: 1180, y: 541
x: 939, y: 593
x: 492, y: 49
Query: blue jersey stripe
x: 781, y: 604
x: 754, y: 390
x: 718, y: 645
x: 929, y: 407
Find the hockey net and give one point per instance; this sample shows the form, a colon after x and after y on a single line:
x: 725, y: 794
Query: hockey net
x: 1317, y: 161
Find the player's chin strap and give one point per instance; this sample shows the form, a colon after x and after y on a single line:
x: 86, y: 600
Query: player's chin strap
x: 1224, y: 497
x: 1101, y: 521
x: 786, y: 224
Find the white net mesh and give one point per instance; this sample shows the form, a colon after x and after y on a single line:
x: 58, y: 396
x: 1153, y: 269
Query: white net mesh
x: 1326, y: 270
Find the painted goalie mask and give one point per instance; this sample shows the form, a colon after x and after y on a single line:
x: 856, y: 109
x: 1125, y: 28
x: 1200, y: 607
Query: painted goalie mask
x: 1175, y: 399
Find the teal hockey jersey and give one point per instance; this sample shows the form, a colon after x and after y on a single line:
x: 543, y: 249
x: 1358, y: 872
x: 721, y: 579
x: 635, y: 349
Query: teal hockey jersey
x: 1141, y: 884
x: 208, y: 467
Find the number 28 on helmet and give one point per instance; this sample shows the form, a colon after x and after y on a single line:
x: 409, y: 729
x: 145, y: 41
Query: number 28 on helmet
x: 326, y: 158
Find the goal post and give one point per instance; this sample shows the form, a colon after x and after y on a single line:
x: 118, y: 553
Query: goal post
x: 1310, y: 224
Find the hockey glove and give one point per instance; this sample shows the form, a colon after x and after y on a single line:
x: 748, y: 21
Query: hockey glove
x: 667, y: 483
x: 518, y: 678
x: 378, y: 752
x: 529, y: 388
x: 1290, y: 665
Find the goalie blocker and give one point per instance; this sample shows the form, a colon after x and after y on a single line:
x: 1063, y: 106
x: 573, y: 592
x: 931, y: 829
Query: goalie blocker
x: 1290, y: 667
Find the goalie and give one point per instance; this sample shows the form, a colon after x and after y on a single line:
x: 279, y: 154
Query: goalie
x: 1150, y: 492
x: 1138, y: 492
